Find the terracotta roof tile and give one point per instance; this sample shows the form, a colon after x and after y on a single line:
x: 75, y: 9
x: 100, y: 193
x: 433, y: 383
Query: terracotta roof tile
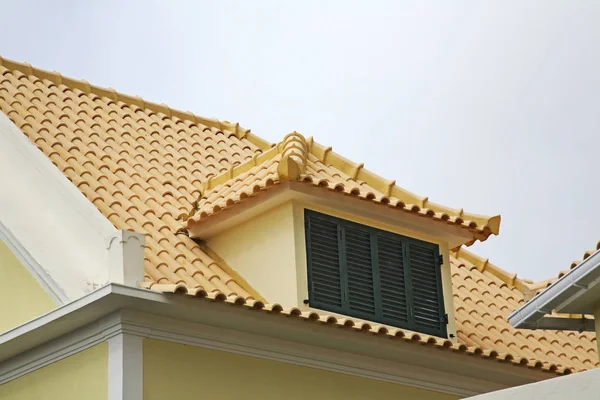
x: 296, y: 158
x: 140, y: 163
x: 144, y: 164
x: 482, y: 301
x: 484, y: 295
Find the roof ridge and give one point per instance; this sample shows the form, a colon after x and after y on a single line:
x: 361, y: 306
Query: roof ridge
x: 356, y: 171
x: 390, y: 189
x: 525, y: 286
x: 295, y: 149
x: 87, y: 88
x: 294, y: 154
x: 293, y: 146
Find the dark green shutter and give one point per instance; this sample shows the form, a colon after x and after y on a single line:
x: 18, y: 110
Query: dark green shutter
x: 425, y: 284
x: 391, y: 272
x: 361, y: 296
x: 324, y: 260
x: 368, y: 273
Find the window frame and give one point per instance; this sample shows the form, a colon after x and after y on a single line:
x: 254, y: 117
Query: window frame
x: 410, y: 324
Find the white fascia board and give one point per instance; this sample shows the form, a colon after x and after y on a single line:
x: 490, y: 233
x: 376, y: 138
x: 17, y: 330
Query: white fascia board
x: 226, y: 327
x: 60, y: 228
x: 569, y: 288
x: 583, y: 385
x: 38, y: 273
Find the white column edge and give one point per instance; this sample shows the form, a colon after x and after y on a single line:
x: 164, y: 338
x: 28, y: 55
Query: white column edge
x: 125, y: 367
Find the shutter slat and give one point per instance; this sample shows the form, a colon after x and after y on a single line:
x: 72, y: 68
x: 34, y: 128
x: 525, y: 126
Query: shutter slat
x: 391, y: 276
x: 323, y: 251
x: 375, y: 275
x: 361, y: 296
x: 425, y: 287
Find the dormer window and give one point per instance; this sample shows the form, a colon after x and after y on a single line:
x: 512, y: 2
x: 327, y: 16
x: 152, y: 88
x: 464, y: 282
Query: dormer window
x: 368, y: 273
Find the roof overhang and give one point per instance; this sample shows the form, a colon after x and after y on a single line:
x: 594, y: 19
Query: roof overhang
x: 284, y: 192
x: 446, y: 371
x: 577, y: 292
x: 300, y: 160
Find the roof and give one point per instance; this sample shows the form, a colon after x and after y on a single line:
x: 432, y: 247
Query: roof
x: 144, y: 166
x: 484, y: 295
x: 539, y: 286
x: 140, y: 164
x: 296, y: 158
x: 572, y: 291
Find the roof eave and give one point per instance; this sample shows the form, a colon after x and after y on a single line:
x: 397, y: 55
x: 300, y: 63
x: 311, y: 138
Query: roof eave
x: 560, y: 295
x: 112, y: 299
x: 454, y: 235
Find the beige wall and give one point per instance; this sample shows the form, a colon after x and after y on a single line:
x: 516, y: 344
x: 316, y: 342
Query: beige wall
x: 25, y: 298
x: 269, y: 252
x: 262, y: 251
x: 174, y: 370
x: 81, y: 376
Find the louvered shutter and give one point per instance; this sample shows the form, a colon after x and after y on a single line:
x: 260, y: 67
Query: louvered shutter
x: 323, y: 253
x: 368, y: 273
x: 357, y: 246
x: 426, y: 288
x: 394, y: 306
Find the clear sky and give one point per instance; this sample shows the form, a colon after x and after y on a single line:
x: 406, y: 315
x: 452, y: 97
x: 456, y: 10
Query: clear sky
x: 492, y: 106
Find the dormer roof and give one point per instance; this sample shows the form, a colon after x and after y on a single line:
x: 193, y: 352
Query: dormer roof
x: 303, y: 160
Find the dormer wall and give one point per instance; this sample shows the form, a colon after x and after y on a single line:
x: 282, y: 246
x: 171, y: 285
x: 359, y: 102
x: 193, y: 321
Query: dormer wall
x: 263, y: 251
x: 269, y: 252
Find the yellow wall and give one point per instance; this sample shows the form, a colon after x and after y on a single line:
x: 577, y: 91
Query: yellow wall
x: 269, y: 252
x: 174, y: 370
x: 81, y: 376
x: 27, y: 299
x: 262, y: 251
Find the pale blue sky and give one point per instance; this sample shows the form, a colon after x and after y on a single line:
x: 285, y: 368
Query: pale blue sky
x: 492, y: 106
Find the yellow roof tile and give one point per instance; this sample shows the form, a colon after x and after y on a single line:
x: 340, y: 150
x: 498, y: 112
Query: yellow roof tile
x: 482, y: 300
x: 143, y: 164
x: 296, y: 158
x: 140, y: 163
x: 484, y: 295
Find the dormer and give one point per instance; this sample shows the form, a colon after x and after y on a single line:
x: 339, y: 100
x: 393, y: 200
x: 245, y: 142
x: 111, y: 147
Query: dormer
x: 310, y: 229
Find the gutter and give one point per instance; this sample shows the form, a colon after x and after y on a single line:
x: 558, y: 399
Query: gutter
x: 224, y: 326
x: 560, y: 294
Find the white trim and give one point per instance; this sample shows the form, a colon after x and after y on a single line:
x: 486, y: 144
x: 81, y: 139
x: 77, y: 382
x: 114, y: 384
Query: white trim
x: 126, y: 258
x: 311, y: 356
x: 576, y: 293
x: 125, y: 367
x: 582, y: 385
x: 38, y: 273
x: 60, y: 228
x: 183, y: 319
x: 125, y: 331
x: 46, y: 319
x: 60, y: 348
